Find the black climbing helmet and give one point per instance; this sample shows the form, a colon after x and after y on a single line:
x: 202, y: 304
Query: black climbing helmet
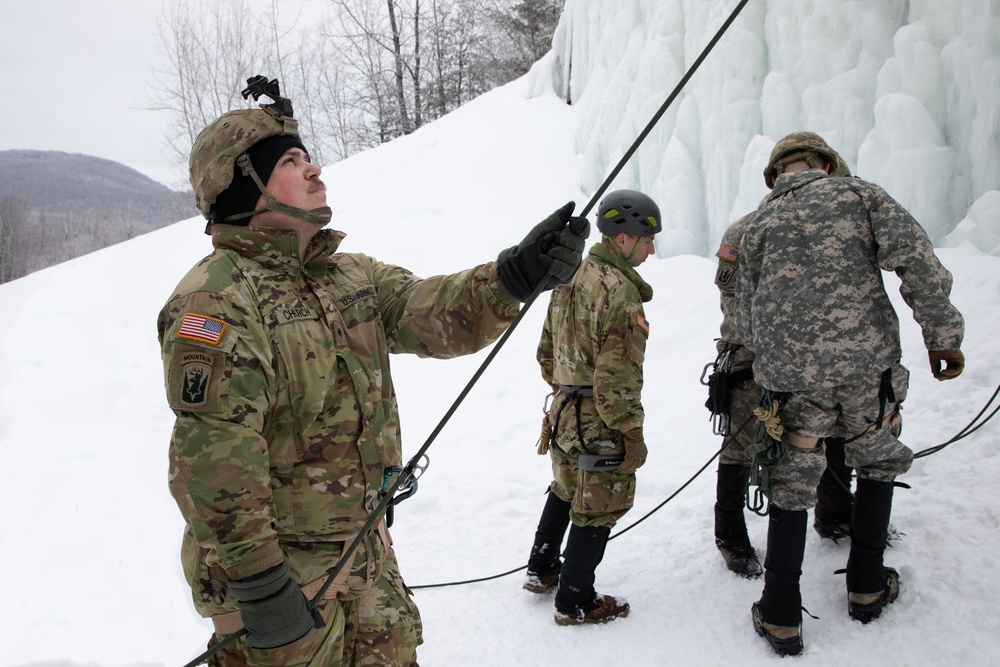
x: 628, y: 211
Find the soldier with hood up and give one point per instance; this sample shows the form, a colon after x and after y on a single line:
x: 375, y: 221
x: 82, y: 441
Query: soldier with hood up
x: 276, y: 357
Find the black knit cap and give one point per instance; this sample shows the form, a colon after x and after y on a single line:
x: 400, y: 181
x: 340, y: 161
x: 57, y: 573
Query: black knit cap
x: 242, y: 194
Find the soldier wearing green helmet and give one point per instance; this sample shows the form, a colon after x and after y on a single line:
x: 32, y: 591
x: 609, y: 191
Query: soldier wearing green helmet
x: 811, y: 306
x: 591, y: 354
x: 276, y: 360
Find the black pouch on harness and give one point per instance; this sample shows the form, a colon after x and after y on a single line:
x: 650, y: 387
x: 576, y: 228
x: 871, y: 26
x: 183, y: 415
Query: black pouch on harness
x: 720, y: 382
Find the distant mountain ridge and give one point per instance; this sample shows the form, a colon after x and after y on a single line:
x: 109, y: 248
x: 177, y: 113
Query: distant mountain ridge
x: 56, y: 206
x: 54, y: 181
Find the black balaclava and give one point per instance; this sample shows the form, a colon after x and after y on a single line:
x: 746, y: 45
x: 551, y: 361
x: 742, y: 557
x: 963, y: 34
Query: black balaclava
x: 242, y: 194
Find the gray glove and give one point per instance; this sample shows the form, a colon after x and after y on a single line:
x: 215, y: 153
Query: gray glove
x: 554, y: 248
x: 273, y: 608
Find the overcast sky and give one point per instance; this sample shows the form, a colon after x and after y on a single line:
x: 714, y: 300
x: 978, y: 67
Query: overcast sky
x: 75, y: 79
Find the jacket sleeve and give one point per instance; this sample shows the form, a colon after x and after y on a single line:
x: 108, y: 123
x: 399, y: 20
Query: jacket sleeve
x: 443, y: 316
x: 221, y: 393
x: 903, y: 247
x: 618, y: 365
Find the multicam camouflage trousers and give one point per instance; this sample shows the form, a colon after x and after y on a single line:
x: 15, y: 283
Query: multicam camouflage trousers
x: 596, y: 498
x: 380, y: 628
x: 744, y: 397
x: 852, y: 410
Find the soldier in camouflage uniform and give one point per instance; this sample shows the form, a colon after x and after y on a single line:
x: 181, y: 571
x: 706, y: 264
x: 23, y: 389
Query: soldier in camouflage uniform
x: 276, y: 358
x: 812, y: 307
x: 735, y: 394
x: 591, y: 353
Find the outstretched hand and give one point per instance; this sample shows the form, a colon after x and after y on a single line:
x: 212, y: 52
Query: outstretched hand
x: 551, y: 251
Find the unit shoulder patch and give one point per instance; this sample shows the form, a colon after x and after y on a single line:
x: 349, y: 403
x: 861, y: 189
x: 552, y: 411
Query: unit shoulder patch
x: 194, y: 378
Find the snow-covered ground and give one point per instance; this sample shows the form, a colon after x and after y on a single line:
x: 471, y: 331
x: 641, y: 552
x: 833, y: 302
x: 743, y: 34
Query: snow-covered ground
x: 907, y: 91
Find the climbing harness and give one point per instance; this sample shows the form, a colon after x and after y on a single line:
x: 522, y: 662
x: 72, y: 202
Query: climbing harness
x: 770, y: 446
x: 720, y: 381
x: 589, y: 460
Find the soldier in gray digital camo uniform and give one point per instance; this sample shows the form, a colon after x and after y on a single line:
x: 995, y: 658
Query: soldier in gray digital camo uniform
x: 591, y: 354
x: 735, y: 394
x: 812, y: 307
x: 276, y: 358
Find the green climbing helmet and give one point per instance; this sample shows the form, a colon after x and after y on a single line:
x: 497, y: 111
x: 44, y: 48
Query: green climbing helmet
x: 628, y: 211
x: 802, y: 146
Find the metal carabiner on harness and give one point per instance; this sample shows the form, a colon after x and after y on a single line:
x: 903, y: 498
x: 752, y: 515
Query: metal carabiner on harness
x: 407, y: 486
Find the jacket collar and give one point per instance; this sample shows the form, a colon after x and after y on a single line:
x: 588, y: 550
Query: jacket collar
x: 788, y: 182
x: 275, y: 247
x: 606, y: 255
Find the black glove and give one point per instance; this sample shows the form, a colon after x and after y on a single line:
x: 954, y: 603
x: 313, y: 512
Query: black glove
x: 273, y: 608
x: 553, y: 248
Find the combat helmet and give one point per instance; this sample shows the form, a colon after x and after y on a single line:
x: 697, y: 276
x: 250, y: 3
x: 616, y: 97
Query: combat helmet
x: 628, y: 211
x: 802, y: 146
x: 224, y: 144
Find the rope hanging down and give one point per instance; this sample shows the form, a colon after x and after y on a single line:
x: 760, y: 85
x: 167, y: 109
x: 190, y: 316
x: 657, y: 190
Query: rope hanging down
x: 408, y: 470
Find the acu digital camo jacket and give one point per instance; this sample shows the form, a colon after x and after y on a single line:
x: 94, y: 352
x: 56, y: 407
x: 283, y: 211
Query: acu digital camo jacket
x: 725, y: 279
x: 811, y: 303
x: 286, y: 417
x: 595, y: 335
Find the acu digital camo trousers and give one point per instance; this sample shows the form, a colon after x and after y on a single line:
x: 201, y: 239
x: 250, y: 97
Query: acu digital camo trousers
x: 852, y: 410
x: 743, y: 397
x: 382, y: 627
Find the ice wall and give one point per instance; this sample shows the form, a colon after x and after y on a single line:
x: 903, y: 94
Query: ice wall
x: 907, y: 91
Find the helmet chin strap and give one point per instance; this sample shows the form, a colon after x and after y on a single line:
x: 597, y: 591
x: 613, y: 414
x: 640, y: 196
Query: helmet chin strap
x: 317, y: 216
x: 621, y: 252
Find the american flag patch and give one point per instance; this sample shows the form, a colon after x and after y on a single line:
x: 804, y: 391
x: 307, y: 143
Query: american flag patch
x: 642, y: 322
x: 728, y: 253
x: 200, y: 327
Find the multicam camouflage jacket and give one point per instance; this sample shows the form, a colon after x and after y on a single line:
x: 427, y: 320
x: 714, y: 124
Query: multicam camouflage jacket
x: 811, y: 303
x: 595, y: 335
x: 286, y: 418
x: 725, y: 280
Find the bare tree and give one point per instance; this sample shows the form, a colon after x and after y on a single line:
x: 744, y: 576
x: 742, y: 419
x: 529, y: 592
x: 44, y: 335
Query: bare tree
x: 13, y: 231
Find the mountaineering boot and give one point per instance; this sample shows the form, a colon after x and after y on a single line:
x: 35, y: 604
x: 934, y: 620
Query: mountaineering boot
x: 730, y: 525
x: 832, y: 517
x: 870, y: 584
x: 576, y: 600
x: 866, y: 607
x: 543, y: 563
x: 777, y: 616
x: 605, y: 608
x: 785, y: 640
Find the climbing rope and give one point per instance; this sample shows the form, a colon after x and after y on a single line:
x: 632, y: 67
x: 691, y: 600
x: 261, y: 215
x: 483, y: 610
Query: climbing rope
x: 965, y: 432
x: 770, y: 446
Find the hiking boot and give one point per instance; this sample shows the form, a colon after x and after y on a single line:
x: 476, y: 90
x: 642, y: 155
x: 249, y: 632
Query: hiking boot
x: 833, y: 531
x: 741, y: 560
x: 784, y: 639
x: 604, y: 609
x: 866, y: 607
x: 540, y: 583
